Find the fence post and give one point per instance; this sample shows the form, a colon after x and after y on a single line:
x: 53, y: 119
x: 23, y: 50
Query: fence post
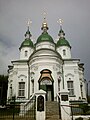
x: 71, y: 112
x: 64, y: 104
x: 40, y: 105
x: 59, y: 107
x: 35, y: 108
x: 22, y: 110
x: 13, y: 98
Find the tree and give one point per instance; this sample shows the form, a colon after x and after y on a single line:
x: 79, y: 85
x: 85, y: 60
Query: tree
x: 3, y: 89
x: 89, y: 99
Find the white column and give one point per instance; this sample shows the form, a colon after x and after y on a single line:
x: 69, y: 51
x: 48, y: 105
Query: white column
x: 22, y: 109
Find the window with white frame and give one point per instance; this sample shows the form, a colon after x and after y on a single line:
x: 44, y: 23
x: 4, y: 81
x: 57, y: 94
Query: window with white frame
x: 81, y: 89
x: 21, y: 92
x: 11, y: 90
x: 58, y: 85
x: 32, y: 86
x: 26, y: 53
x: 32, y: 75
x: 64, y: 52
x: 70, y: 88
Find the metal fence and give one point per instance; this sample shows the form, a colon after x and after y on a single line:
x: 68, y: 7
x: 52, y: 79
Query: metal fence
x: 82, y: 109
x: 77, y: 110
x: 12, y: 111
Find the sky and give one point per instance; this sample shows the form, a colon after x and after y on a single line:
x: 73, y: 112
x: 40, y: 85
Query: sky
x: 14, y: 15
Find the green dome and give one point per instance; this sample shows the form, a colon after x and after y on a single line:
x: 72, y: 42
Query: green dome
x: 45, y: 37
x: 62, y: 42
x: 27, y: 43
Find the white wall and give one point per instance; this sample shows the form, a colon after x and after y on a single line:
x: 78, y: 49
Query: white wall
x: 22, y: 53
x: 45, y: 45
x: 67, y: 49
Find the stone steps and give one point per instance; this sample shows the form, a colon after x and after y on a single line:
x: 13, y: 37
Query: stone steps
x: 52, y: 110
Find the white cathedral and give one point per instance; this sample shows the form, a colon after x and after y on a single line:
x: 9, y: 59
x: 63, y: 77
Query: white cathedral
x: 48, y: 66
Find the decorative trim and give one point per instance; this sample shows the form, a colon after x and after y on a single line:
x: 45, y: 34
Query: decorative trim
x: 69, y: 74
x: 22, y: 76
x: 20, y: 97
x: 45, y: 74
x: 72, y: 95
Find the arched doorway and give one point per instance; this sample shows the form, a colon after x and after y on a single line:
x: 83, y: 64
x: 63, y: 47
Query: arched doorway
x: 46, y: 83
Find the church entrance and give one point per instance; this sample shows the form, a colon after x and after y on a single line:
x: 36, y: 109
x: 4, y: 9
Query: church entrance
x: 49, y: 93
x: 46, y: 84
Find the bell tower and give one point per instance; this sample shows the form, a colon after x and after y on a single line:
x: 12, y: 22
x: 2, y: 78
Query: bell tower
x: 27, y: 47
x: 62, y: 46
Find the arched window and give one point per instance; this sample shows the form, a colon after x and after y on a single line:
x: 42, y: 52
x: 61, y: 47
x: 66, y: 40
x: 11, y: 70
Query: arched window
x: 32, y: 75
x: 64, y: 52
x: 81, y: 87
x: 58, y: 85
x: 32, y: 86
x: 26, y: 53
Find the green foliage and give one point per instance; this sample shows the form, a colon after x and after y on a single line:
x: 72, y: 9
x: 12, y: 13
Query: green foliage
x: 88, y: 112
x: 79, y: 118
x: 3, y: 89
x: 3, y: 78
x: 9, y: 109
x: 88, y: 99
x: 84, y: 107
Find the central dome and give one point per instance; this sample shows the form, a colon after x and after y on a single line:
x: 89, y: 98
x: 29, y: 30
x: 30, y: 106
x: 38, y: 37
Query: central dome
x: 45, y: 37
x: 47, y: 53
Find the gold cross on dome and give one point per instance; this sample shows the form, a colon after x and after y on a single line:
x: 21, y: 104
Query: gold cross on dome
x: 44, y: 14
x: 60, y: 21
x: 29, y: 22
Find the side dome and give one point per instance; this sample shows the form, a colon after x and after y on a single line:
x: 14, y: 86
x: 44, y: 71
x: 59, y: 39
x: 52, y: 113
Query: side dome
x: 62, y: 42
x: 45, y: 37
x: 27, y: 43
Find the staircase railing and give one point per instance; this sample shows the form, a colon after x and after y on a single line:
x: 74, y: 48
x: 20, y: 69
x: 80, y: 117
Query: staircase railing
x: 58, y: 97
x: 25, y: 107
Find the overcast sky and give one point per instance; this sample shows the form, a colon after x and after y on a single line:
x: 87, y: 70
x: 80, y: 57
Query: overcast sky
x: 76, y: 24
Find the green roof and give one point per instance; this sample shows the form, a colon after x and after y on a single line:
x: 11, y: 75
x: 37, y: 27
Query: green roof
x: 62, y: 42
x: 45, y: 37
x: 27, y: 43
